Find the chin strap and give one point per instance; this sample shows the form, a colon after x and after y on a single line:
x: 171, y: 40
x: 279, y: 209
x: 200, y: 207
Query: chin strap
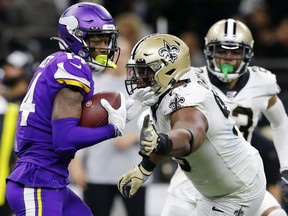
x: 62, y: 44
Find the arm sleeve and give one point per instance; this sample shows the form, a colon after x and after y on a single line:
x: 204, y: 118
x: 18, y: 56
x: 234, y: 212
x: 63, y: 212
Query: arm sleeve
x: 68, y: 136
x: 278, y: 119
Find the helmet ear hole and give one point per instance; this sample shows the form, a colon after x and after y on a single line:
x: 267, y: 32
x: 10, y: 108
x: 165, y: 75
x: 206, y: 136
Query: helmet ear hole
x: 246, y: 60
x: 209, y: 57
x: 169, y: 73
x: 208, y: 51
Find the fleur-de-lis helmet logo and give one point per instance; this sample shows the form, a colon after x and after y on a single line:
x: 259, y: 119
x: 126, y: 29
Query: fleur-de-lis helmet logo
x: 176, y: 103
x: 169, y: 52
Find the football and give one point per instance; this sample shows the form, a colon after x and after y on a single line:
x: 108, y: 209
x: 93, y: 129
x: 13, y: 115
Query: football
x: 93, y: 113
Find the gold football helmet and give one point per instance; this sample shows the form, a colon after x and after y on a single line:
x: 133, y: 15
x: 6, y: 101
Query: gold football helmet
x: 224, y: 35
x: 158, y: 61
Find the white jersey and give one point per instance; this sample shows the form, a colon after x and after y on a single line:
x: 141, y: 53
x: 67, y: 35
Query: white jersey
x: 246, y: 105
x: 225, y: 165
x: 249, y: 99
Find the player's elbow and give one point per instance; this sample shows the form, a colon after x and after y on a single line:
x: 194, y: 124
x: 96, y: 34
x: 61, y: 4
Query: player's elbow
x: 64, y: 135
x: 159, y: 159
x: 63, y: 146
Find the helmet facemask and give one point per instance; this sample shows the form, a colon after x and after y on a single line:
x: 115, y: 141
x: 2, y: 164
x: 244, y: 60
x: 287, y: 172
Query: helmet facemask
x: 141, y: 75
x: 109, y: 55
x: 228, y: 67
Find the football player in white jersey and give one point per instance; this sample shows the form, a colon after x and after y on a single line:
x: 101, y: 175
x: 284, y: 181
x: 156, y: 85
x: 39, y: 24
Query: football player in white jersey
x: 194, y: 128
x: 248, y: 92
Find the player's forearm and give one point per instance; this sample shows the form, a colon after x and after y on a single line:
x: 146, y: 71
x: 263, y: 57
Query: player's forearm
x: 68, y: 136
x: 279, y: 123
x: 182, y: 140
x: 280, y: 140
x: 159, y: 159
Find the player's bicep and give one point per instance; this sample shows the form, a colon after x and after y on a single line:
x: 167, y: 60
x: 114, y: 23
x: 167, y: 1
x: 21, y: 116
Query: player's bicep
x: 67, y: 103
x: 191, y: 119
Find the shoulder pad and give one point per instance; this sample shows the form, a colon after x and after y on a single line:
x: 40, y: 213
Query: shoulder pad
x: 264, y: 79
x: 188, y: 95
x: 74, y: 71
x: 258, y: 69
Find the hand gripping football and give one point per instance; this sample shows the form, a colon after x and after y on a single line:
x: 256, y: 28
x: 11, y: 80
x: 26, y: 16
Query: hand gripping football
x: 93, y: 113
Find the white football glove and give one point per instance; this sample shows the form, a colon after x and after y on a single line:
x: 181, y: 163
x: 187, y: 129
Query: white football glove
x: 137, y: 176
x: 116, y: 117
x: 140, y: 98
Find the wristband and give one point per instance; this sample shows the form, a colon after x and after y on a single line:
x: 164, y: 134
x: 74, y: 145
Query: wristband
x: 117, y: 131
x: 148, y: 164
x: 165, y: 144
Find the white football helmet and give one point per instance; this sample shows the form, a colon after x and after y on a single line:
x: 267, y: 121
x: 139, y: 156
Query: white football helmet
x: 228, y: 34
x: 158, y: 61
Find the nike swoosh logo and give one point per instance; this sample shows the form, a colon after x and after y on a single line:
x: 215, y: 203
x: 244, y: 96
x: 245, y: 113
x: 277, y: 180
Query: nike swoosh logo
x: 77, y: 66
x: 216, y: 209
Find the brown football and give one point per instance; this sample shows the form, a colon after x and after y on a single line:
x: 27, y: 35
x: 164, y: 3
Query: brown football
x: 93, y: 113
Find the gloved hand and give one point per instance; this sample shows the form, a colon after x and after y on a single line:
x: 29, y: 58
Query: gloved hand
x: 140, y: 98
x: 137, y: 176
x: 116, y: 117
x: 150, y: 98
x: 284, y: 184
x: 149, y: 138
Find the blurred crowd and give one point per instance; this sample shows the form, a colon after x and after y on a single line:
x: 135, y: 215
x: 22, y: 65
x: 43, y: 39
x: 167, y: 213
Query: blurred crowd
x: 28, y: 25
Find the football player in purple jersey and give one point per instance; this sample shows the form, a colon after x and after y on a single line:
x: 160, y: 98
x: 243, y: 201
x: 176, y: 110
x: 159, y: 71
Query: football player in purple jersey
x: 48, y: 132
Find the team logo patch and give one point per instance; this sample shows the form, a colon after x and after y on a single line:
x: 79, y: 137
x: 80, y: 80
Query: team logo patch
x: 169, y: 52
x: 88, y: 103
x: 239, y: 212
x: 231, y: 94
x: 175, y: 104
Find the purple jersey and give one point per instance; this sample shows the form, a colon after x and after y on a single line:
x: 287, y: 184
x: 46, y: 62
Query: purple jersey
x: 45, y: 166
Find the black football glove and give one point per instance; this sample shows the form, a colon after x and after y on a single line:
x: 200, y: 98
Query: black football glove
x: 284, y: 185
